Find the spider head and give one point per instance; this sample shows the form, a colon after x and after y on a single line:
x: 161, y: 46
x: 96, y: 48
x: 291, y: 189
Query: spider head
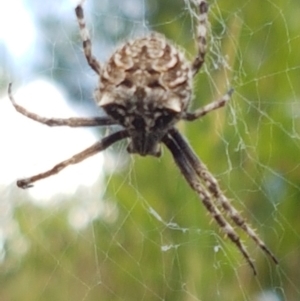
x: 146, y: 124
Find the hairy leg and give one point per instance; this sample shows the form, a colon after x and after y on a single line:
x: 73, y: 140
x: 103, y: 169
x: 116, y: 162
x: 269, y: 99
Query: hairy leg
x: 200, y: 35
x: 190, y: 116
x: 212, y: 185
x: 92, y: 150
x: 192, y: 178
x: 86, y: 40
x: 71, y: 122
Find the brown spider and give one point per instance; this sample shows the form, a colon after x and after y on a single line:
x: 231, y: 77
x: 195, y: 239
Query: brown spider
x: 146, y: 87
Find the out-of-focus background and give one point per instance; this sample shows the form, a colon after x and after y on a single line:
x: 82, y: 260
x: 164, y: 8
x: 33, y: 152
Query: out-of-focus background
x: 121, y: 227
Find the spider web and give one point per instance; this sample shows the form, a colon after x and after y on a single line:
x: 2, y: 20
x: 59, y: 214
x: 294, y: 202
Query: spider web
x: 132, y: 229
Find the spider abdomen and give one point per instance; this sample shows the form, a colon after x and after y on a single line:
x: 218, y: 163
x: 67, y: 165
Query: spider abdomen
x: 148, y: 68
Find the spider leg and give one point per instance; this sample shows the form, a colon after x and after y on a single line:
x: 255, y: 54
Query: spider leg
x: 86, y: 40
x: 200, y: 35
x: 191, y: 177
x: 71, y: 122
x: 92, y: 150
x: 214, y: 188
x: 208, y: 108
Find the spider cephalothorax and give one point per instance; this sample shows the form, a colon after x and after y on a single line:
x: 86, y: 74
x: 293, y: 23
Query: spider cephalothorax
x: 146, y: 87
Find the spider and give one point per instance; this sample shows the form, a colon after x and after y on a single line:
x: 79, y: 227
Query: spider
x: 146, y: 88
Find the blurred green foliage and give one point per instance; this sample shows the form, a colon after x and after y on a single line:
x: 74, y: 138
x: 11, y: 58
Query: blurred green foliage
x: 162, y: 246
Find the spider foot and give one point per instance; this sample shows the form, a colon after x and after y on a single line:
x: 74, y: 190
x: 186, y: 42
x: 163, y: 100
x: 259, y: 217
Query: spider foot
x: 24, y: 184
